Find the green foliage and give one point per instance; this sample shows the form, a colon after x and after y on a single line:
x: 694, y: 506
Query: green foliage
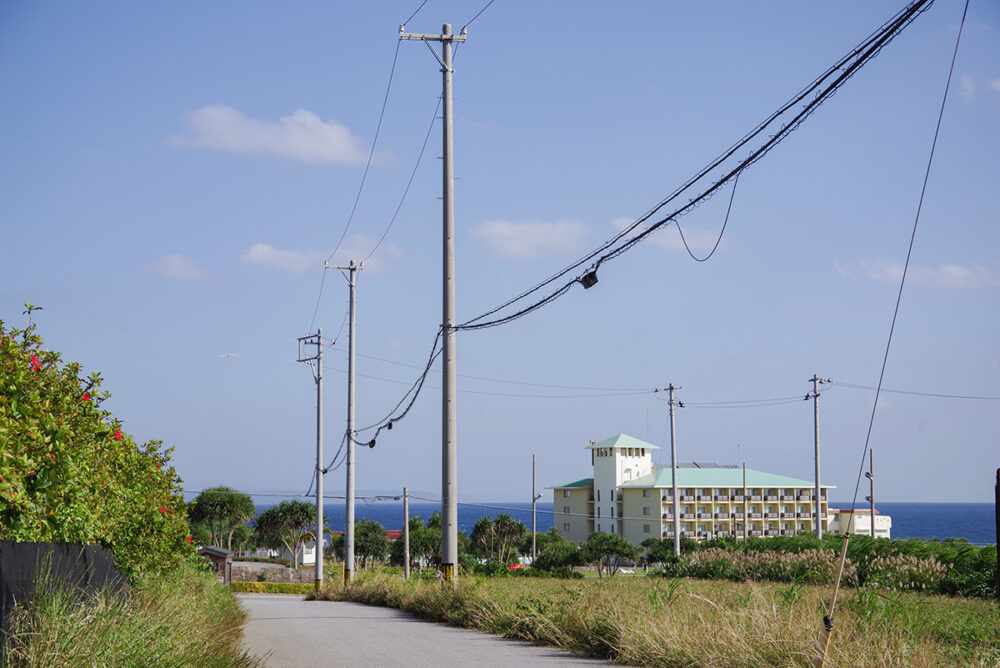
x: 498, y: 539
x: 557, y: 555
x: 607, y: 551
x: 69, y: 471
x: 179, y: 618
x: 289, y: 523
x: 223, y: 509
x: 370, y: 542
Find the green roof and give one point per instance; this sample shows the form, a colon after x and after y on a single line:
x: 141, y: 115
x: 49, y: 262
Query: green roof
x: 717, y: 477
x: 623, y: 441
x: 584, y: 482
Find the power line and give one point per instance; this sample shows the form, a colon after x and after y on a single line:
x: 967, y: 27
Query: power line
x: 485, y: 7
x: 408, y: 183
x: 921, y: 394
x: 721, y: 232
x: 847, y: 66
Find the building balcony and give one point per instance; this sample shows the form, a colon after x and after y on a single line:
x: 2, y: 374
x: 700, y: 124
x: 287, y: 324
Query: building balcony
x: 804, y: 516
x: 787, y: 532
x: 705, y: 498
x: 788, y: 516
x: 803, y: 497
x: 771, y: 516
x: 736, y: 516
x: 704, y: 516
x: 788, y: 497
x: 688, y: 499
x: 619, y: 497
x: 756, y: 533
x: 720, y: 534
x: 702, y: 534
x: 771, y: 532
x: 722, y: 516
x: 756, y: 499
x: 721, y: 497
x: 667, y: 499
x: 591, y: 499
x: 687, y: 516
x: 737, y: 497
x: 756, y: 516
x: 667, y: 516
x: 770, y: 498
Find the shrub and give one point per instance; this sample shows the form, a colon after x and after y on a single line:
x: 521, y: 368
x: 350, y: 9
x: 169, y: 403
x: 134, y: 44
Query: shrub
x: 265, y: 587
x: 68, y: 470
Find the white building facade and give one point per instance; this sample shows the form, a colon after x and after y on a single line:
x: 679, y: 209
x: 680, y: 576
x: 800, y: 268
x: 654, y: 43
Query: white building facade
x: 628, y: 497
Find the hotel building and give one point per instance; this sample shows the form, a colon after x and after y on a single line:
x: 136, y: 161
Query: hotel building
x: 628, y: 497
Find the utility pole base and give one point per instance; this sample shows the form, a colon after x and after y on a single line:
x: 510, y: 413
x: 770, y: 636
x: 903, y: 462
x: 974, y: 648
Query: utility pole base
x: 448, y: 575
x: 347, y: 576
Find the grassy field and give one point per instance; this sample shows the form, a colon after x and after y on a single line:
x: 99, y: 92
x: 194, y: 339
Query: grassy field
x: 675, y: 622
x: 181, y: 619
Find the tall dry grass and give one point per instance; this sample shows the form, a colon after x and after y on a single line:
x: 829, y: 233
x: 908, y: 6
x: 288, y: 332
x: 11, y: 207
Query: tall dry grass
x: 183, y: 618
x: 662, y: 622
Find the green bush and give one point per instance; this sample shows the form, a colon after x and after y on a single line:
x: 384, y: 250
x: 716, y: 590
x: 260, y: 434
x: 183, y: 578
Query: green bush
x: 69, y: 472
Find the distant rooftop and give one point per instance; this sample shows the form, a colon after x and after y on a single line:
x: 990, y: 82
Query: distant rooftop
x: 584, y: 482
x: 622, y: 441
x: 717, y: 477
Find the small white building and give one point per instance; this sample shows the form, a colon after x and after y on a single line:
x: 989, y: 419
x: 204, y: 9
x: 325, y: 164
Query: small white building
x: 860, y: 522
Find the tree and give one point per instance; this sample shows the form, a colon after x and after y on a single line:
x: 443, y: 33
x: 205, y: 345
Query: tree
x: 607, y: 551
x: 658, y: 550
x: 288, y: 522
x: 70, y: 472
x: 557, y: 554
x: 370, y: 542
x: 498, y: 539
x: 223, y: 509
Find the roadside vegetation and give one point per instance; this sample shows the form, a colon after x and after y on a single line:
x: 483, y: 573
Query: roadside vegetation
x: 69, y: 472
x: 687, y: 622
x: 181, y: 618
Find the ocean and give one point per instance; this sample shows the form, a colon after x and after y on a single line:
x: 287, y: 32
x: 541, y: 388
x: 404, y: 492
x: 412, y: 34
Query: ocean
x: 973, y: 521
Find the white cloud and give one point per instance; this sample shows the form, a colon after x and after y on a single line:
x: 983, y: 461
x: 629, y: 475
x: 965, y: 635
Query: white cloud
x: 178, y: 267
x: 354, y: 247
x: 668, y: 238
x: 532, y: 238
x: 971, y: 84
x: 944, y: 276
x: 300, y: 136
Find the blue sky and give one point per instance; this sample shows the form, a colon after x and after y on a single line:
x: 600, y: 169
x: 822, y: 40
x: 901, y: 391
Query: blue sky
x: 174, y: 176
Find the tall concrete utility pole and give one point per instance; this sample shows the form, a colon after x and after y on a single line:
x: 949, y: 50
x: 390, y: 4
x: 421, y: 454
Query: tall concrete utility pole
x: 449, y: 435
x: 406, y: 534
x: 317, y: 340
x: 673, y: 474
x: 534, y: 500
x: 816, y: 381
x: 352, y: 280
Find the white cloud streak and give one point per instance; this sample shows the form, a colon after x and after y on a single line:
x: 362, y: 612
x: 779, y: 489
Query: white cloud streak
x: 177, y: 267
x: 532, y: 238
x: 354, y: 247
x: 970, y: 85
x: 951, y: 276
x: 301, y: 136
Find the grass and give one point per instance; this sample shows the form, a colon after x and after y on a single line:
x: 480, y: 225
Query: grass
x: 664, y: 622
x: 272, y: 587
x: 181, y: 619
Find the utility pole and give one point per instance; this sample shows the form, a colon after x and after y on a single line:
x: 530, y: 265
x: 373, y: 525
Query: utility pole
x: 352, y: 281
x: 317, y: 340
x: 673, y: 473
x: 534, y: 500
x: 449, y: 435
x: 817, y: 381
x: 406, y: 534
x: 871, y: 480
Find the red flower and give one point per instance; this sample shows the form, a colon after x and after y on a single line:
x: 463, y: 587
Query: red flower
x: 118, y: 435
x: 34, y: 363
x: 86, y: 396
x: 157, y: 468
x: 163, y: 511
x: 189, y: 539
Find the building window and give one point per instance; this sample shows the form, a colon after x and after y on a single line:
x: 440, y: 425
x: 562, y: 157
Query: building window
x: 598, y: 512
x: 645, y: 510
x: 566, y: 509
x: 645, y: 493
x: 612, y: 528
x: 645, y: 528
x: 642, y: 452
x: 612, y: 511
x: 566, y: 526
x: 598, y: 495
x: 566, y: 493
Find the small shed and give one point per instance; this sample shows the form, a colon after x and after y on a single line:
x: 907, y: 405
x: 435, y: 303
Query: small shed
x: 221, y: 562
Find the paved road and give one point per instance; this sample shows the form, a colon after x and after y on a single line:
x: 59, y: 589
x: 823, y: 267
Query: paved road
x: 329, y: 633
